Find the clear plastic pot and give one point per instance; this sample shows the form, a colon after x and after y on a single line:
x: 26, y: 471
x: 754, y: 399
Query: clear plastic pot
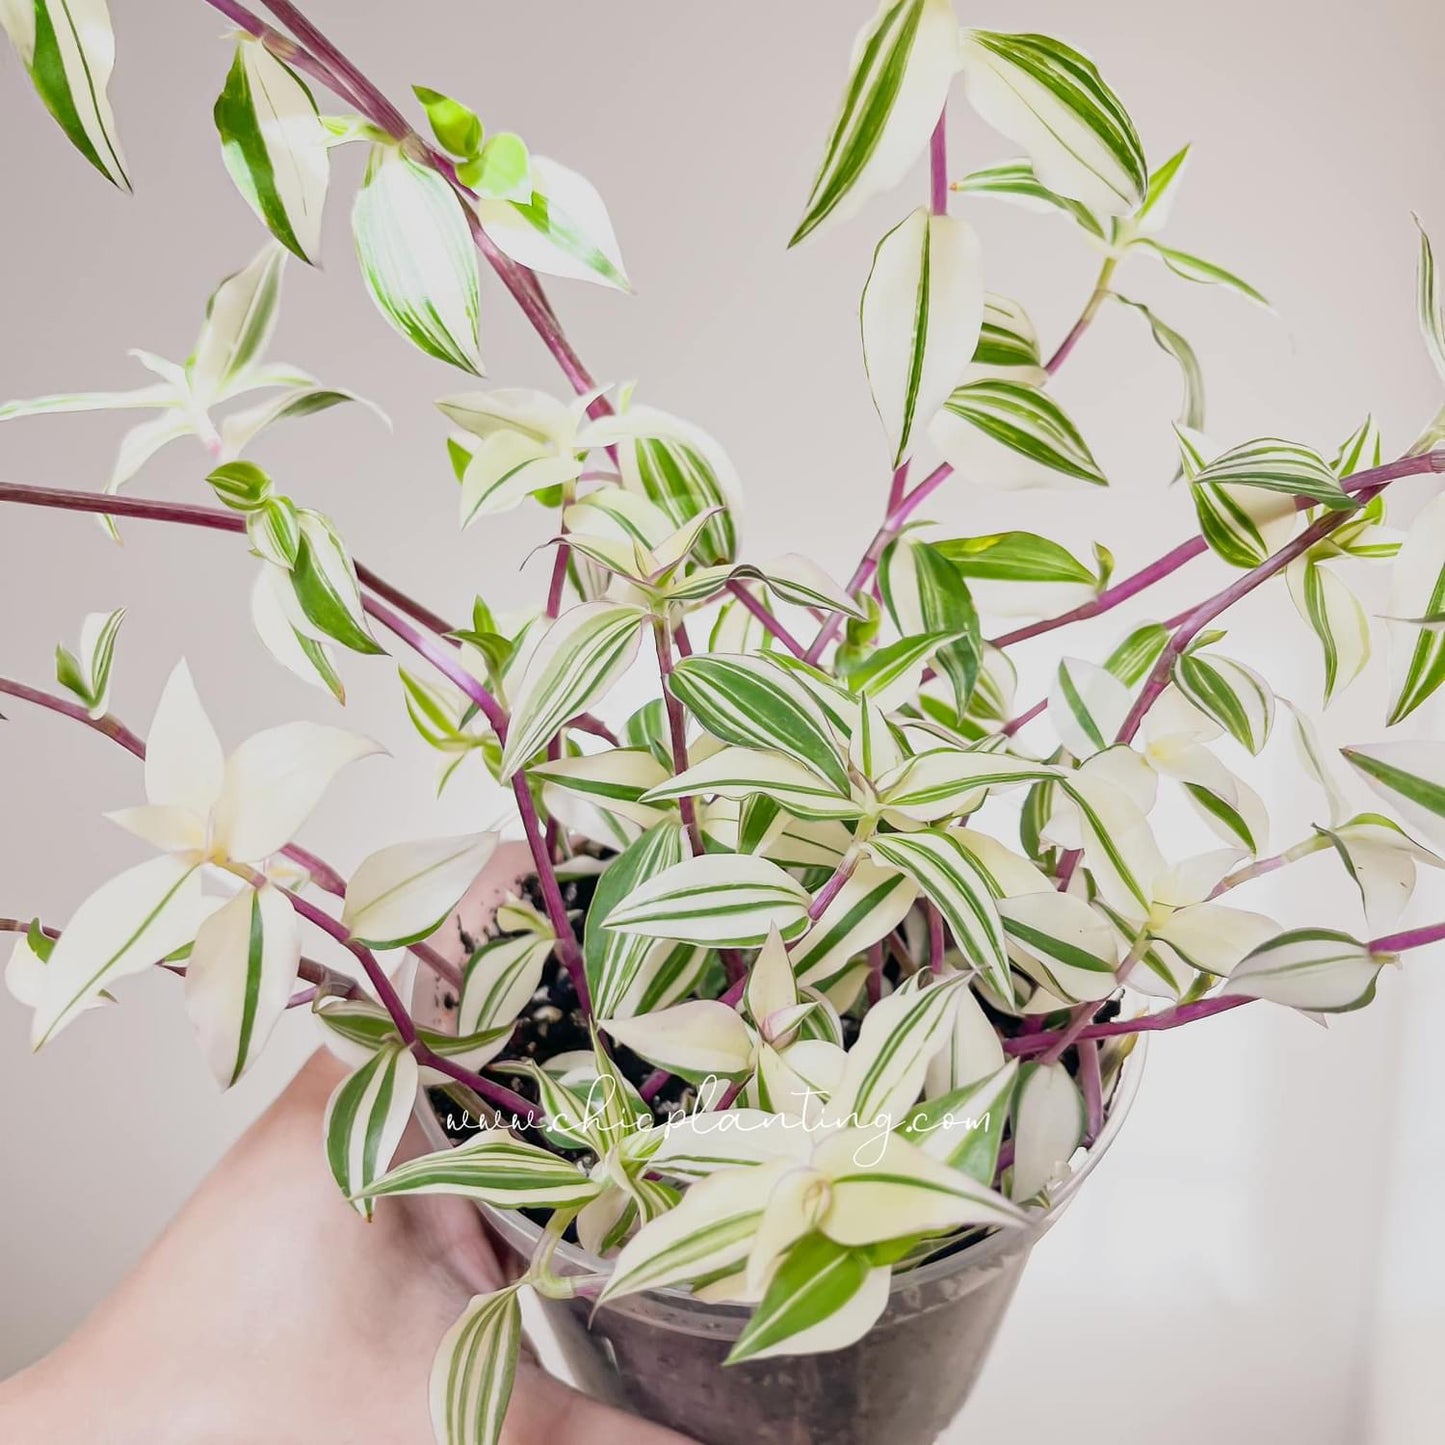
x: 659, y: 1354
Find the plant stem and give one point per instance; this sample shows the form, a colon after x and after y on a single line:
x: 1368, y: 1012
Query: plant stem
x: 898, y: 514
x: 677, y: 729
x: 1014, y: 724
x: 936, y: 945
x: 938, y: 165
x: 1091, y: 1086
x: 830, y: 890
x: 1170, y: 1018
x: 1091, y: 307
x: 1411, y: 938
x: 1261, y: 866
x: 766, y: 617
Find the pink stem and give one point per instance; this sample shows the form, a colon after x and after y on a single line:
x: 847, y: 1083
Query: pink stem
x: 1014, y: 724
x: 1091, y: 1085
x: 677, y: 728
x: 938, y: 165
x: 1068, y: 343
x: 875, y: 972
x: 567, y: 949
x: 830, y: 890
x: 766, y: 617
x: 897, y: 516
x: 936, y: 946
x: 1411, y: 938
x: 1171, y: 1018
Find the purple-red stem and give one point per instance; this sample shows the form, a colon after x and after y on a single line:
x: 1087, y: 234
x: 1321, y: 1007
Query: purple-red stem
x: 677, y: 730
x: 766, y: 617
x: 1091, y: 1086
x: 938, y: 165
x: 936, y: 945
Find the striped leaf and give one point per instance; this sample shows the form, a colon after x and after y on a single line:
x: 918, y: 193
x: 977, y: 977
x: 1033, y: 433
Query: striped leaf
x: 613, y: 959
x: 1195, y: 268
x: 921, y: 315
x: 1048, y: 1127
x: 241, y: 428
x: 824, y: 1296
x: 577, y: 660
x: 1037, y: 438
x: 275, y: 146
x: 365, y: 1119
x: 417, y: 257
x: 239, y: 978
x: 1134, y: 658
x: 738, y: 773
x: 561, y: 229
x: 889, y: 676
x: 1051, y: 100
x: 965, y: 1126
x: 1338, y: 620
x: 716, y: 899
x: 474, y: 1370
x: 1278, y: 466
x: 1008, y: 345
x: 68, y: 47
x: 1417, y: 591
x: 1235, y: 696
x: 240, y: 321
x: 925, y: 592
x: 1382, y: 861
x: 669, y: 972
x: 1118, y: 845
x: 1014, y: 557
x: 902, y: 63
x: 323, y: 578
x: 710, y: 1232
x: 1410, y: 776
x: 616, y: 781
x: 747, y: 701
x: 1016, y: 181
x: 1315, y: 969
x: 508, y: 467
x: 1159, y: 200
x: 1087, y: 706
x: 696, y: 1039
x: 797, y: 579
x: 86, y: 673
x: 950, y: 875
x: 403, y: 893
x: 945, y: 782
x: 1061, y: 943
x: 869, y: 906
x: 128, y: 923
x: 886, y: 1066
x: 500, y: 978
x: 493, y: 1168
x: 1169, y: 341
x: 1431, y: 304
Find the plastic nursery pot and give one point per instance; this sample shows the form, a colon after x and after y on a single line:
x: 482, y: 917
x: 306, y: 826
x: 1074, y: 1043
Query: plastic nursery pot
x: 660, y: 1354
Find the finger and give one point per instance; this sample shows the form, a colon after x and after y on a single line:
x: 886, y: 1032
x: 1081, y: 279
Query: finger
x: 544, y: 1411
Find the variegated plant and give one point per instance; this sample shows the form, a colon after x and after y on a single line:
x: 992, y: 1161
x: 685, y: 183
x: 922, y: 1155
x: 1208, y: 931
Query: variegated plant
x: 880, y: 937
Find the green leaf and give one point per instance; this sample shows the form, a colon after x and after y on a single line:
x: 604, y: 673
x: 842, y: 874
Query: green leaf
x: 1052, y: 101
x: 824, y: 1296
x: 1235, y: 696
x: 1431, y: 304
x: 241, y: 428
x: 501, y: 976
x: 1008, y: 345
x: 1338, y: 620
x: 1016, y: 181
x: 68, y: 47
x: 324, y: 579
x: 577, y: 660
x: 474, y: 1370
x: 719, y: 900
x: 686, y: 473
x: 1417, y: 590
x: 1316, y: 969
x: 456, y: 127
x: 365, y: 1119
x: 903, y: 61
x: 417, y: 257
x: 925, y: 592
x: 1027, y: 422
x: 404, y: 893
x: 946, y: 781
x: 1411, y: 776
x: 87, y: 675
x: 869, y: 906
x: 1087, y: 706
x: 749, y: 702
x: 274, y: 530
x: 614, y: 959
x: 965, y: 1126
x: 1134, y: 658
x: 1151, y: 215
x: 492, y: 1168
x: 240, y: 319
x: 242, y: 486
x: 275, y: 146
x: 1195, y: 268
x: 503, y: 171
x: 1014, y: 557
x: 1168, y: 340
x: 1278, y: 466
x: 738, y: 773
x: 1049, y: 1124
x: 1061, y: 943
x: 921, y: 315
x: 950, y: 875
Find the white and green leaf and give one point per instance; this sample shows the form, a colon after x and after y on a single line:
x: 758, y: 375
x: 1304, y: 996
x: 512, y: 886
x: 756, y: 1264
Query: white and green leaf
x: 365, y: 1119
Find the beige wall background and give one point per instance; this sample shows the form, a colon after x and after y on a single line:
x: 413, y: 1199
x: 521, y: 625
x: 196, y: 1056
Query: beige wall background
x: 1258, y: 1260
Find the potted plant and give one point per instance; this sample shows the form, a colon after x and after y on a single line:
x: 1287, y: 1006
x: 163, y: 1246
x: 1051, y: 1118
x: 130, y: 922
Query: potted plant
x: 815, y: 992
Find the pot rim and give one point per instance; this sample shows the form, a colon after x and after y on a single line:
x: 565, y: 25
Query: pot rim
x: 518, y: 1230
